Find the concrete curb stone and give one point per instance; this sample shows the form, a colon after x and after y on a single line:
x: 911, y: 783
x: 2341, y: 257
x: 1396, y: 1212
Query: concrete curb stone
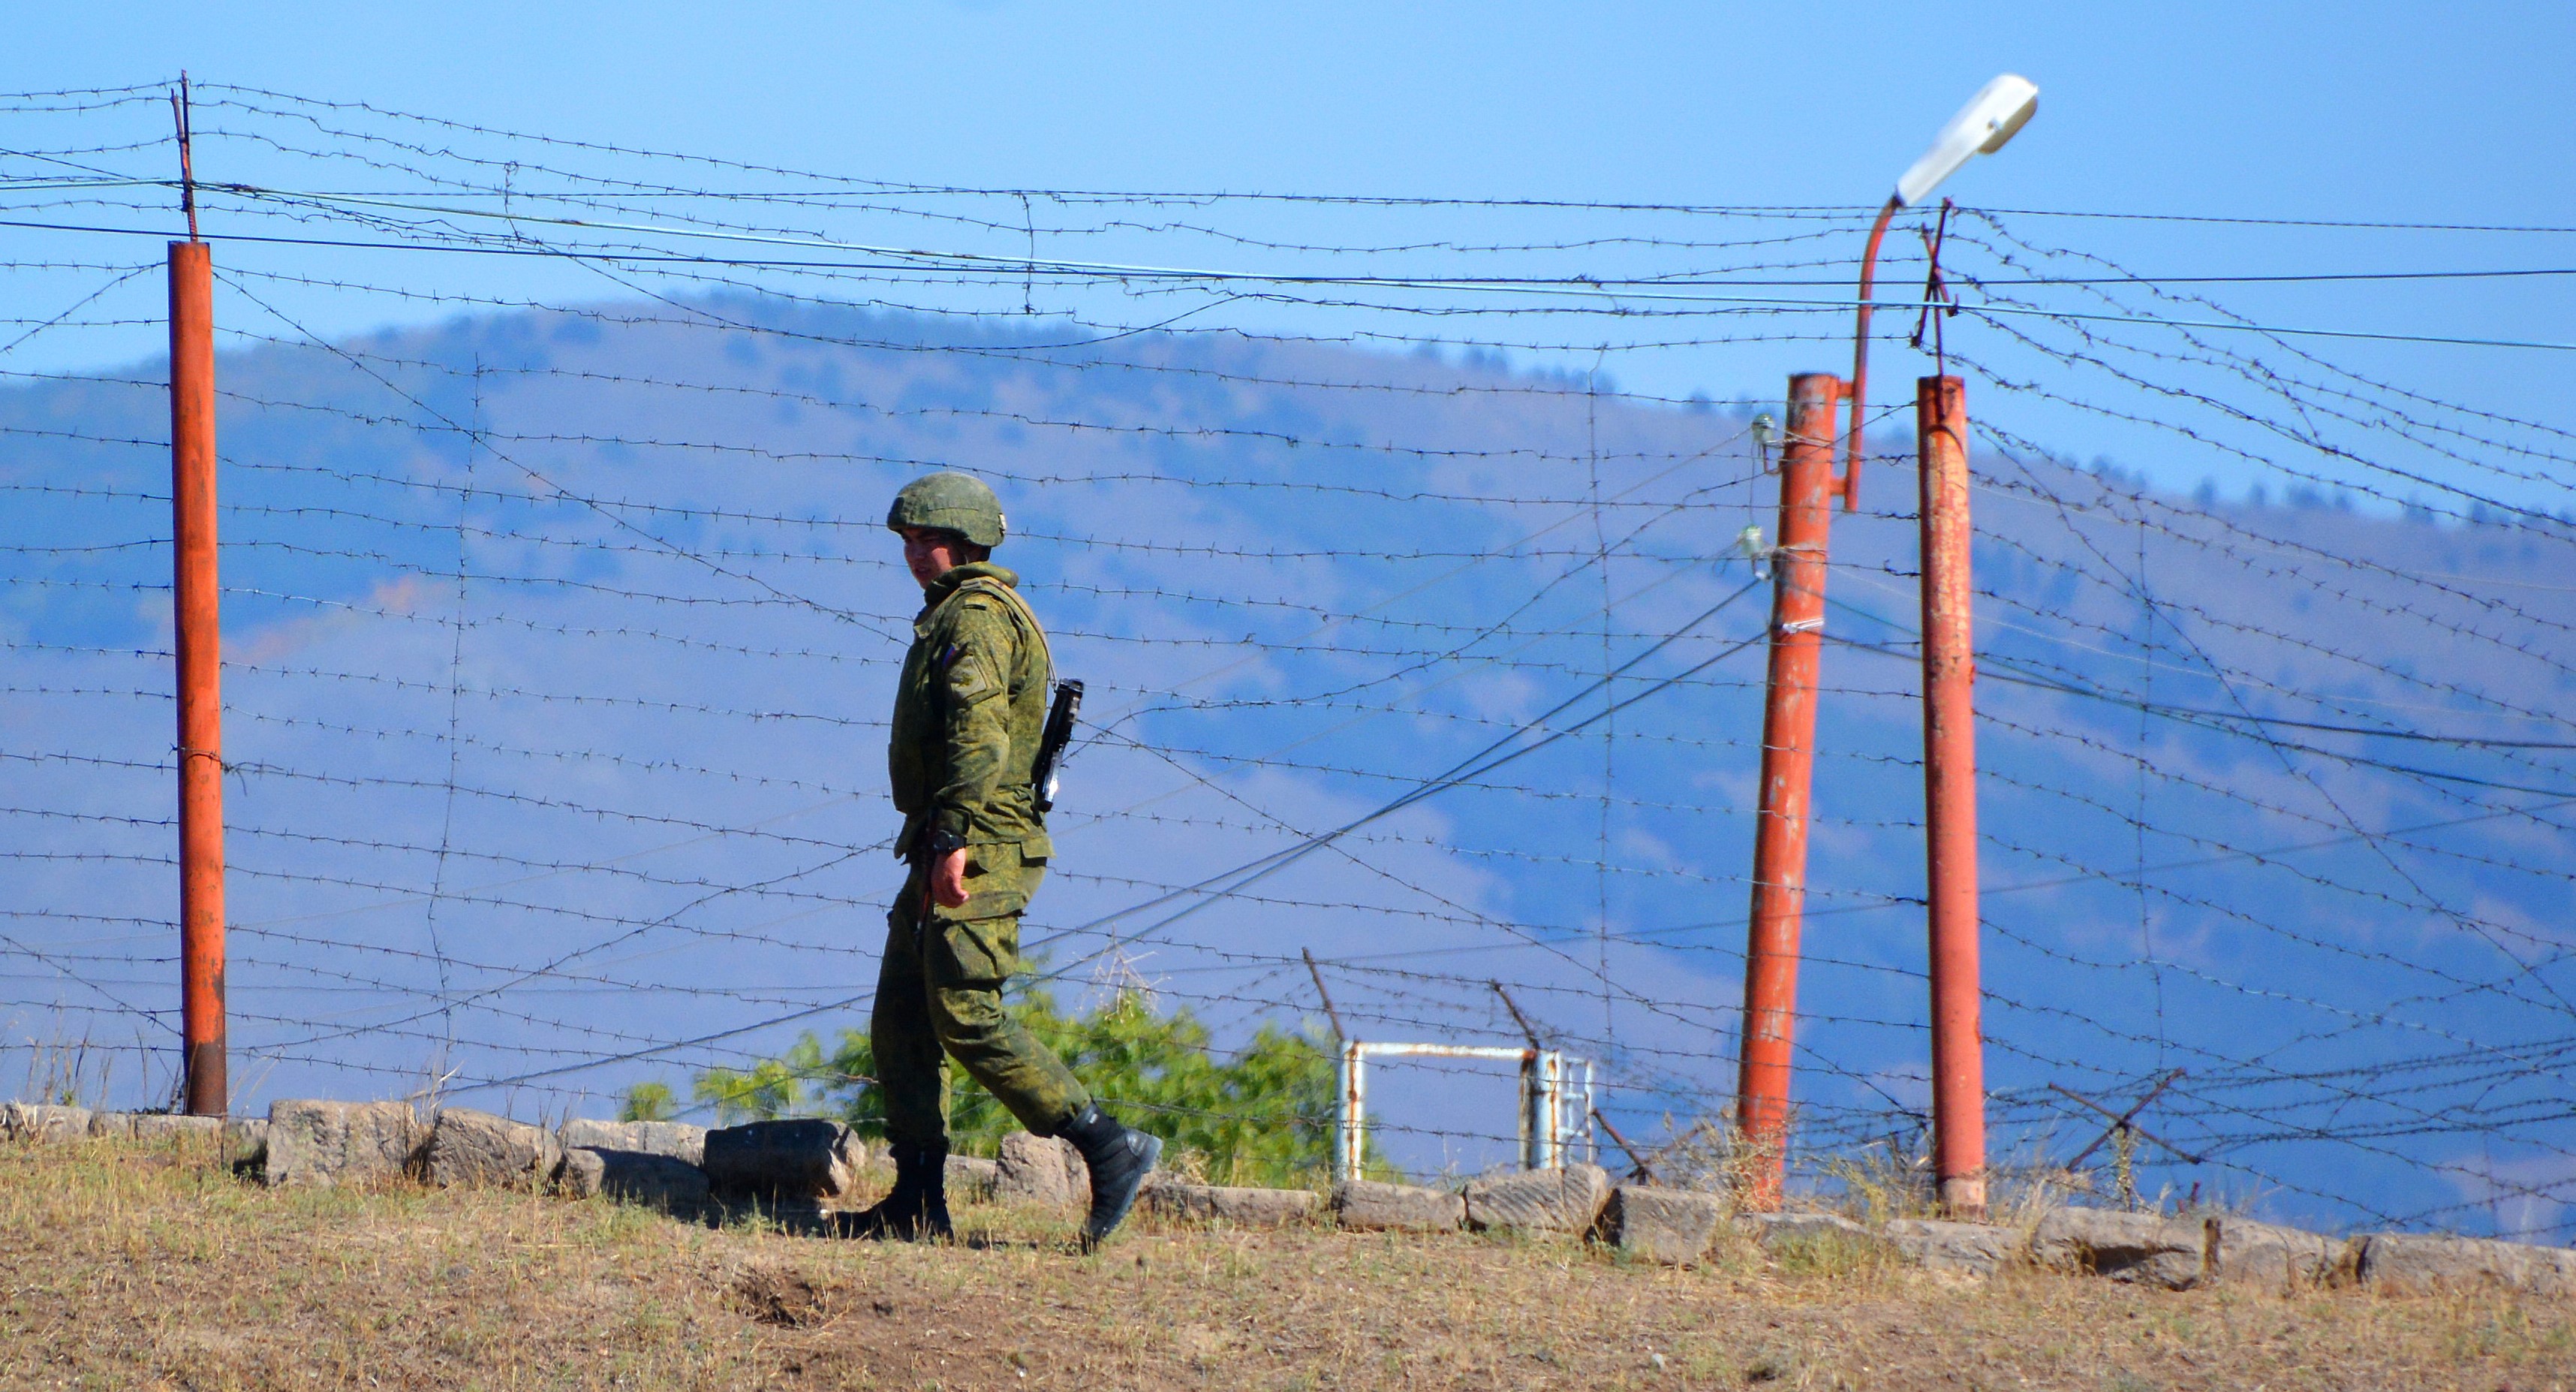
x: 322, y: 1144
x: 152, y: 1126
x: 972, y: 1178
x: 1240, y: 1207
x: 2414, y: 1262
x: 1044, y: 1171
x: 792, y: 1164
x: 1970, y: 1249
x: 37, y: 1121
x: 1672, y: 1226
x: 2142, y: 1248
x: 1770, y: 1229
x: 1369, y: 1205
x: 1567, y: 1200
x: 2245, y: 1252
x: 676, y: 1139
x: 471, y: 1149
x: 246, y: 1145
x: 637, y: 1177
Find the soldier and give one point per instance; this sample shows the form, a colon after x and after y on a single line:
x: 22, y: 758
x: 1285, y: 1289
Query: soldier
x: 968, y: 712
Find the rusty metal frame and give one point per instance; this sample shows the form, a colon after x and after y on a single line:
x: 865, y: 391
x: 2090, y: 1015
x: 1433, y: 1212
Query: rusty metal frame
x: 1555, y: 1109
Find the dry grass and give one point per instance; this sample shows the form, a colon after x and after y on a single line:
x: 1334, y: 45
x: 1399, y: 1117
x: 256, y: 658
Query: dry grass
x: 125, y: 1265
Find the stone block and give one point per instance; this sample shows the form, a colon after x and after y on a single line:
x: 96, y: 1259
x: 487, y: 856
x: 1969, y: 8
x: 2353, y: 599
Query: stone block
x: 676, y: 1139
x: 583, y: 1172
x: 152, y: 1126
x: 329, y: 1143
x: 1772, y: 1229
x: 1673, y: 1226
x: 639, y: 1177
x: 1970, y: 1249
x: 1242, y: 1208
x: 2244, y: 1252
x: 812, y: 1162
x: 2145, y: 1248
x: 1043, y: 1171
x: 2411, y: 1262
x: 36, y: 1121
x: 471, y: 1149
x: 1365, y: 1203
x: 165, y: 1126
x: 246, y: 1144
x: 971, y: 1178
x: 1567, y: 1200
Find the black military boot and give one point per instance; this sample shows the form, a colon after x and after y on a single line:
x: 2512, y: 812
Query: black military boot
x: 1120, y: 1157
x: 917, y: 1207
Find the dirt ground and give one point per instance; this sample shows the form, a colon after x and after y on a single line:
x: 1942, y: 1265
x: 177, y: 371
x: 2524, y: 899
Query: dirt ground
x: 125, y: 1265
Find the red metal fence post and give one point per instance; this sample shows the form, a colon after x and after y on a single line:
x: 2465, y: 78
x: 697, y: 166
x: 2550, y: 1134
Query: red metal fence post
x: 1950, y: 797
x: 1788, y: 763
x: 195, y: 604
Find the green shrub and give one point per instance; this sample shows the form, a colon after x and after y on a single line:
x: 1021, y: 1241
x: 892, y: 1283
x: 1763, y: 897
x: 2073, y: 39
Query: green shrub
x: 648, y: 1102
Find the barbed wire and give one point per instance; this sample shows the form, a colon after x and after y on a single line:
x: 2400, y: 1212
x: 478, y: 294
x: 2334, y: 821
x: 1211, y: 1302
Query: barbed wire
x: 561, y: 628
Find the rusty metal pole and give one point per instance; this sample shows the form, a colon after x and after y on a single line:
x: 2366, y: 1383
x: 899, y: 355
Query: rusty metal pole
x: 1788, y: 765
x: 1950, y: 798
x: 195, y: 602
x: 1859, y: 394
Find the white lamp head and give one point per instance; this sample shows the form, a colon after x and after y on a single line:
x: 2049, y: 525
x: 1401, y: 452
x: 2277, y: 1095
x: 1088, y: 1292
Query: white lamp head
x: 1990, y: 118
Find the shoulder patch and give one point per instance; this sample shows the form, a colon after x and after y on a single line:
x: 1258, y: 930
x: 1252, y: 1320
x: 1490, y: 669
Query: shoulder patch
x: 985, y: 613
x: 967, y: 678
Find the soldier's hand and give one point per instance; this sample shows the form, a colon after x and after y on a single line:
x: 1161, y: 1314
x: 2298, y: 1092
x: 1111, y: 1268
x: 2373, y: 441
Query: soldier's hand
x: 948, y: 879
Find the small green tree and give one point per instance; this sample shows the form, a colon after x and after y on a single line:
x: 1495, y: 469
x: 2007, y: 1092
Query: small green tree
x: 648, y: 1102
x: 767, y: 1090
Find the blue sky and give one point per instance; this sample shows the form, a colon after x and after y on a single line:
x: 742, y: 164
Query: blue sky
x: 2382, y: 113
x: 2238, y: 109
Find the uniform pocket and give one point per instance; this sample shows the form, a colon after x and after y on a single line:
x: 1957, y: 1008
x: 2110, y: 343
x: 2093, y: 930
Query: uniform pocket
x: 998, y: 881
x: 975, y: 951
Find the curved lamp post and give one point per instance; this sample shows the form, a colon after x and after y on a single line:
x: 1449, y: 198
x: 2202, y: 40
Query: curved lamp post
x: 1992, y: 117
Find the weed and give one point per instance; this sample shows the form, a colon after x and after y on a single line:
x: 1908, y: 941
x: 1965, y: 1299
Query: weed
x: 1771, y: 1365
x: 132, y: 1264
x: 1883, y: 1182
x: 785, y: 1299
x: 1834, y: 1256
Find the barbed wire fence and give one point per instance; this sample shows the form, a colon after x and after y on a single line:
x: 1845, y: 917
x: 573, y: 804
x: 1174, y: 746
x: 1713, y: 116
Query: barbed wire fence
x: 1419, y: 615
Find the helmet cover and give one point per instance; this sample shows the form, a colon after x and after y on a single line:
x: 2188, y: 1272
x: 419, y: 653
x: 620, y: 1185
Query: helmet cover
x: 949, y: 502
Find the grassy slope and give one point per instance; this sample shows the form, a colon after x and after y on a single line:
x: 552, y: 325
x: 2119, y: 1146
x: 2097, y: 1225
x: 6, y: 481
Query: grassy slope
x: 140, y: 1266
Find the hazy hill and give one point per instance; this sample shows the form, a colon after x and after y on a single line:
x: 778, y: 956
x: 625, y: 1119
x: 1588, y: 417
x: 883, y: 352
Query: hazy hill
x: 559, y: 646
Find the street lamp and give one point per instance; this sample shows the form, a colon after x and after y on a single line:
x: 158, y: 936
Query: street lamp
x: 1992, y: 117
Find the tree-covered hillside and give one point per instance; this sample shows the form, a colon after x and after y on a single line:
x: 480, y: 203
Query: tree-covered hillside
x: 559, y: 646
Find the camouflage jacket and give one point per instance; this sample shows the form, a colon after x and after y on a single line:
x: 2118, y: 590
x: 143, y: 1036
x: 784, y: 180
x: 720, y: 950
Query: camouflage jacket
x: 968, y: 713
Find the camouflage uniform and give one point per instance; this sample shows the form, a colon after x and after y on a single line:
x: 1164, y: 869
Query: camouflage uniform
x: 968, y: 713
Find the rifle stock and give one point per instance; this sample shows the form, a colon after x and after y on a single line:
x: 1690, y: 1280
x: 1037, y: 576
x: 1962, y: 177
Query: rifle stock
x: 1059, y: 733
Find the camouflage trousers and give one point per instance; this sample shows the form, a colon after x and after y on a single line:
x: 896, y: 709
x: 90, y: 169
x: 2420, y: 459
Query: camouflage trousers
x: 939, y: 990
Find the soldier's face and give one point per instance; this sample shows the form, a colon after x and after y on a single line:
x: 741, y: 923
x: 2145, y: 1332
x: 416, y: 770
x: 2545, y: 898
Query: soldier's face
x: 930, y: 554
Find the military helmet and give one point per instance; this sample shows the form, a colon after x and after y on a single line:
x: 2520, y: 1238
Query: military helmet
x: 949, y: 503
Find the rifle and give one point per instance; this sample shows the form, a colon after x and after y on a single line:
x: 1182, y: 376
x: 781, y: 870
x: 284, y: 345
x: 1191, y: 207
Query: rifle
x: 1059, y: 733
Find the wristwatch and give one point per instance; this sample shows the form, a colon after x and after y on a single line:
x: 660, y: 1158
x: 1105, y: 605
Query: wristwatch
x: 942, y: 843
